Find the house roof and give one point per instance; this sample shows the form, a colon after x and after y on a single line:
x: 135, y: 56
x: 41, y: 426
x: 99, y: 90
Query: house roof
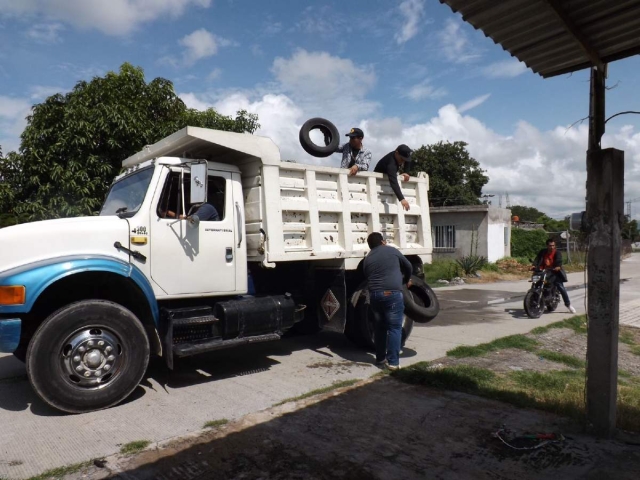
x: 553, y: 37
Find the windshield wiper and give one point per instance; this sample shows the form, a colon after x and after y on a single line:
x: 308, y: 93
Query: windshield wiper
x: 120, y: 211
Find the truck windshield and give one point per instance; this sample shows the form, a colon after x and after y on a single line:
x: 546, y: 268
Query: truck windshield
x: 127, y: 194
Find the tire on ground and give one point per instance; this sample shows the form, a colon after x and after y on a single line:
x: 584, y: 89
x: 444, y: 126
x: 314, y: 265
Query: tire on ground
x: 51, y: 344
x: 360, y: 327
x: 420, y: 301
x: 330, y: 132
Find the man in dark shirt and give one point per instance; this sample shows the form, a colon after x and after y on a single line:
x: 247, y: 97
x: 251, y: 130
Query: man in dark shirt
x: 550, y: 258
x: 386, y: 271
x: 390, y: 164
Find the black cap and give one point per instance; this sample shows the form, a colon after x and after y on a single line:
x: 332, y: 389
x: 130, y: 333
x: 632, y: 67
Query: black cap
x: 355, y: 132
x: 404, y: 152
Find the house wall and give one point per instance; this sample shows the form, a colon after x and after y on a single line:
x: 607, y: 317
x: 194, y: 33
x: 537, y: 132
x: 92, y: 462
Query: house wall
x: 469, y: 226
x: 479, y: 232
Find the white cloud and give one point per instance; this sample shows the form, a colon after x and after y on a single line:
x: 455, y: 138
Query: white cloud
x: 322, y: 84
x: 423, y: 90
x: 13, y: 113
x: 455, y: 45
x: 473, y: 103
x: 113, y: 17
x: 412, y: 12
x: 504, y: 69
x: 321, y: 20
x: 201, y: 44
x: 215, y: 74
x: 41, y: 92
x: 256, y: 50
x: 46, y: 32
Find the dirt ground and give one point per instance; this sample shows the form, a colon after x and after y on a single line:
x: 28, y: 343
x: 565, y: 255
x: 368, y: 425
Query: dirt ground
x: 380, y: 429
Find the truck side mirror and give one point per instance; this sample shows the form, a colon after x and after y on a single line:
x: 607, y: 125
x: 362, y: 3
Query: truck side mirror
x: 199, y: 182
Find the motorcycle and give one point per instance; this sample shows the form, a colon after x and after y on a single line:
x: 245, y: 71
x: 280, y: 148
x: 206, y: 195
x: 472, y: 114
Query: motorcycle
x: 542, y: 295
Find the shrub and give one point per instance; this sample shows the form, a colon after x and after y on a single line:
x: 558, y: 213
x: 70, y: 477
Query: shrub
x: 470, y: 264
x: 527, y: 243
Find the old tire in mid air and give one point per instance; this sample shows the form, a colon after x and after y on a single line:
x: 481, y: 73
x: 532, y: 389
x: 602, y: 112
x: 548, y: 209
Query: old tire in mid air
x: 331, y: 136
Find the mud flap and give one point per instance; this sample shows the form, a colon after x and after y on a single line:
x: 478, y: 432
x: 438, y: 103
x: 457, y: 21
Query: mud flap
x: 331, y: 299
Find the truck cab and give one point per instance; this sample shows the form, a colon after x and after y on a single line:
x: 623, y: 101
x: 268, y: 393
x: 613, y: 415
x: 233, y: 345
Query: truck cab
x: 205, y: 241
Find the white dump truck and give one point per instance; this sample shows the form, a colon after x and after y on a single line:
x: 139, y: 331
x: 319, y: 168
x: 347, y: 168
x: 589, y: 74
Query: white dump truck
x: 85, y: 301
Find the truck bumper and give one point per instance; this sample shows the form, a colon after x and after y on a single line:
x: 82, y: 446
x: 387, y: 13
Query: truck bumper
x: 9, y: 334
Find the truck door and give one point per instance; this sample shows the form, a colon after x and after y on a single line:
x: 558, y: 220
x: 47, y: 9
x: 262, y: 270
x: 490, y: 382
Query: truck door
x: 188, y: 259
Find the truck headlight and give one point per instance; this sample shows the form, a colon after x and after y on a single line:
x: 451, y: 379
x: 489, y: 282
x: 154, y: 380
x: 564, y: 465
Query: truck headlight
x: 13, y: 295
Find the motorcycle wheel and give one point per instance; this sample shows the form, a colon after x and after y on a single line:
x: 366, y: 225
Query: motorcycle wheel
x: 533, y: 304
x: 555, y: 301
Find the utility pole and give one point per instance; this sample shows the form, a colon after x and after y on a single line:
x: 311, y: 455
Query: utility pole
x: 605, y: 207
x: 508, y: 201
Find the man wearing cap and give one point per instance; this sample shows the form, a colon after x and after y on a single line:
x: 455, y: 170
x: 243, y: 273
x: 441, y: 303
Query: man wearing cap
x: 354, y: 156
x: 390, y: 164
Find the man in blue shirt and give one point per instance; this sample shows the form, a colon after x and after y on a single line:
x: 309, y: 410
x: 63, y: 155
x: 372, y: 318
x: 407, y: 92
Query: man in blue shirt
x: 386, y: 271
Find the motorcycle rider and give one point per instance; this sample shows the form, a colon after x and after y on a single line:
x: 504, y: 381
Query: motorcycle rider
x: 550, y: 258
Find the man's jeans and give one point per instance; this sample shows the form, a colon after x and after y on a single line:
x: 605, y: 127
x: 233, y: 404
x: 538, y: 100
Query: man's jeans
x: 388, y: 309
x: 563, y: 292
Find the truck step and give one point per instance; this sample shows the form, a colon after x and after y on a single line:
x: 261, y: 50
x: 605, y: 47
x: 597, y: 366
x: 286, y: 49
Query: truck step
x: 192, y: 321
x: 187, y: 349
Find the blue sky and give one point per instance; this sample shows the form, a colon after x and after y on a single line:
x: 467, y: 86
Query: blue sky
x: 405, y: 71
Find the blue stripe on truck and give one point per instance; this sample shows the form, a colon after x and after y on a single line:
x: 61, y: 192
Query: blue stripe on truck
x: 36, y: 277
x: 9, y: 335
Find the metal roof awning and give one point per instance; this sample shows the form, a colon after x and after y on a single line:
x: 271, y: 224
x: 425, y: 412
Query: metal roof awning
x: 553, y: 37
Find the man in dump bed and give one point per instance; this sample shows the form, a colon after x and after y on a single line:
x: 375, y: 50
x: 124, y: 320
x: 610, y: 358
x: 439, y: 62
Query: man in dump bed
x: 390, y: 164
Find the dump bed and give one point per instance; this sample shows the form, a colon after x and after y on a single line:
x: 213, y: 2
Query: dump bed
x: 306, y: 212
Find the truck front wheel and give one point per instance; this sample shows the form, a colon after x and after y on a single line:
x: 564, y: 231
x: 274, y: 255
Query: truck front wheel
x: 87, y: 356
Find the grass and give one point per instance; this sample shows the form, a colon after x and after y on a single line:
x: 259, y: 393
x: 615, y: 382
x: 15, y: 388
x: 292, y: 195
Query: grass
x: 215, y: 423
x: 134, y: 447
x: 578, y: 324
x: 521, y: 342
x: 560, y: 392
x: 60, y: 472
x: 557, y: 357
x: 333, y: 386
x: 439, y: 269
x: 557, y: 391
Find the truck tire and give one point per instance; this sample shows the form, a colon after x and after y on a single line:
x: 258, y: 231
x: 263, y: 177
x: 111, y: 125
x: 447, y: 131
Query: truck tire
x: 420, y: 301
x: 330, y: 132
x: 87, y: 356
x: 360, y: 328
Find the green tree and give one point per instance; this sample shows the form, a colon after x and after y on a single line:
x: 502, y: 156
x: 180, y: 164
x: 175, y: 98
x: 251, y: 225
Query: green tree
x: 455, y: 178
x: 629, y: 229
x: 531, y: 214
x: 74, y: 143
x: 9, y: 181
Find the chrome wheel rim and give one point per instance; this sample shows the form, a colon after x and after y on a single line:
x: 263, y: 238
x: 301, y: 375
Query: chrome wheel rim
x: 91, y: 358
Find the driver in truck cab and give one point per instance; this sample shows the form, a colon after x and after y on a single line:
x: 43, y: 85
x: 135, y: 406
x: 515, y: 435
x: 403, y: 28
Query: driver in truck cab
x: 205, y: 212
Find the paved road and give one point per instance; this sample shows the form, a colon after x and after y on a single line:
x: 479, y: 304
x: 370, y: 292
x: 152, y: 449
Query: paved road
x: 230, y: 384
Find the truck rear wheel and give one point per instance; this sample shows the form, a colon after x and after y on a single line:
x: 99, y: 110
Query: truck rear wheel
x: 87, y: 356
x: 360, y: 328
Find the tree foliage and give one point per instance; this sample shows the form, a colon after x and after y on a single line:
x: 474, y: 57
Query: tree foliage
x: 74, y: 143
x: 531, y: 214
x: 455, y: 178
x: 527, y: 243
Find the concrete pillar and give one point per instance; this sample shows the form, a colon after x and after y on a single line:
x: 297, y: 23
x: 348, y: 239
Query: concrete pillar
x: 605, y: 208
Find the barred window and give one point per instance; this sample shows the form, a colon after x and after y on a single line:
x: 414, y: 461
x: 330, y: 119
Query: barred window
x: 444, y: 236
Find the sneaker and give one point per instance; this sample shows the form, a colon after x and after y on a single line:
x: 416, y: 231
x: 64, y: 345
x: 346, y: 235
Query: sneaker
x: 393, y: 368
x: 382, y: 363
x: 571, y: 309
